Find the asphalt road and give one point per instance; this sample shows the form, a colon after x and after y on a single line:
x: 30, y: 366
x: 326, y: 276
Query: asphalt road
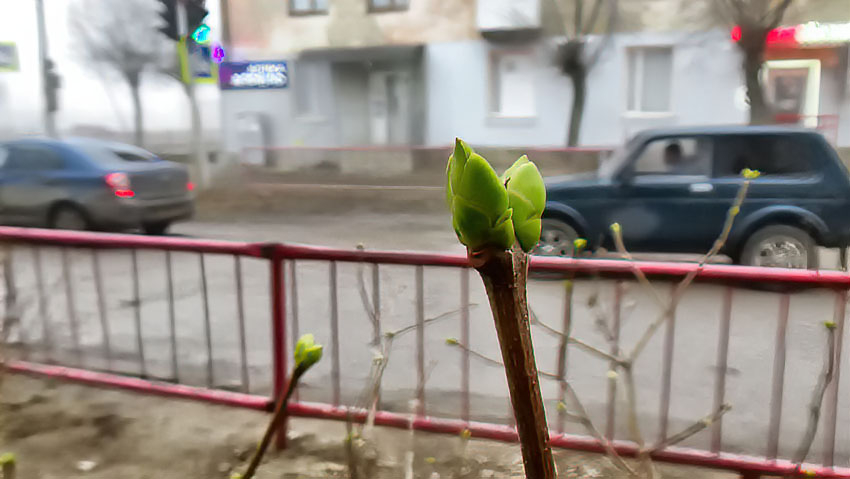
x: 749, y: 377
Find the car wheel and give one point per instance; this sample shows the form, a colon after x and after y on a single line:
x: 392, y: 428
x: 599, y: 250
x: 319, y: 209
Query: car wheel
x: 68, y: 217
x: 156, y: 229
x: 780, y: 246
x: 556, y: 239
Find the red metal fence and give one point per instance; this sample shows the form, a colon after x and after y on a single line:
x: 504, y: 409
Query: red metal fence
x: 174, y: 335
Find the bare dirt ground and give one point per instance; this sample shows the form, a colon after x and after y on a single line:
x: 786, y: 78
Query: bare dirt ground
x: 65, y: 431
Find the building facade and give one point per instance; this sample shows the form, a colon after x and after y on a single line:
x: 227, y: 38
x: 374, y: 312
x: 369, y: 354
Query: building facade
x: 420, y: 72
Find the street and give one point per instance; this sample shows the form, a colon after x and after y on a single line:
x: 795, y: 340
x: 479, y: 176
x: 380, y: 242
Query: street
x: 749, y: 376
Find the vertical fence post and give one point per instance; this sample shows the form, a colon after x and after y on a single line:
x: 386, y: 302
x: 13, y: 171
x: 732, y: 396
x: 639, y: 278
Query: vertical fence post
x: 722, y: 363
x: 610, y: 423
x: 278, y: 297
x: 831, y: 396
x: 464, y: 334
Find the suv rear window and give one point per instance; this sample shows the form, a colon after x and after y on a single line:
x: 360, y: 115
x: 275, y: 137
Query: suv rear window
x: 773, y: 155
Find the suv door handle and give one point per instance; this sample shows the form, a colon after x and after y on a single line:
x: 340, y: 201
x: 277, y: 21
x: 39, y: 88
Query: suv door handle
x: 701, y: 187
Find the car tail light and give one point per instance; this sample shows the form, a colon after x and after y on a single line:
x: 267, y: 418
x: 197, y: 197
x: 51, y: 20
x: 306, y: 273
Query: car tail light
x: 190, y: 186
x: 120, y: 184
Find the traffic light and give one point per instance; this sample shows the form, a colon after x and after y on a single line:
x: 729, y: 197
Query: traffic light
x: 52, y: 82
x: 195, y: 14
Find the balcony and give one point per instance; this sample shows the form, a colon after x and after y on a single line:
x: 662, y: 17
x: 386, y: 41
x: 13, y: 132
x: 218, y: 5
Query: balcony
x: 508, y: 19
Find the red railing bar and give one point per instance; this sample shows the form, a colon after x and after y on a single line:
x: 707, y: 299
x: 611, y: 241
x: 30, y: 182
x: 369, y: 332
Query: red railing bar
x: 111, y: 240
x: 278, y: 331
x: 580, y: 149
x: 226, y: 398
x: 604, y: 267
x: 504, y: 433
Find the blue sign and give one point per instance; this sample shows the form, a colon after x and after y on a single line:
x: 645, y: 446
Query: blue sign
x: 253, y: 75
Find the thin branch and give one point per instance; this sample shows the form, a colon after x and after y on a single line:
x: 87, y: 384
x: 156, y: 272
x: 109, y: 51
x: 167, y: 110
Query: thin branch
x: 824, y: 380
x: 594, y: 16
x: 639, y: 274
x: 691, y: 430
x: 585, y: 421
x: 407, y: 329
x: 634, y: 426
x: 613, y: 19
x: 774, y: 16
x: 578, y: 342
x: 688, y: 279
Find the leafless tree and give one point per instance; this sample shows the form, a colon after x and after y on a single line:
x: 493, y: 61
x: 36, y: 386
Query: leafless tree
x: 122, y: 36
x: 574, y: 58
x: 755, y: 18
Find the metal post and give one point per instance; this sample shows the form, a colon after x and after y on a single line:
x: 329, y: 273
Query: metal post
x: 172, y: 318
x: 197, y: 132
x: 611, y: 419
x: 49, y: 120
x: 278, y: 297
x: 101, y: 310
x: 566, y: 327
x: 207, y: 326
x: 334, y: 299
x: 722, y: 368
x: 420, y: 338
x: 777, y: 389
x: 72, y: 309
x: 667, y: 370
x: 240, y: 312
x: 137, y: 311
x: 464, y: 335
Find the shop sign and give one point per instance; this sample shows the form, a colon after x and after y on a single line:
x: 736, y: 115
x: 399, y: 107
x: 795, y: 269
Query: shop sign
x: 253, y: 75
x: 807, y: 34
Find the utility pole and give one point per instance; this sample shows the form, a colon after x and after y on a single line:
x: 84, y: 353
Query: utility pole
x: 198, y: 149
x: 49, y: 80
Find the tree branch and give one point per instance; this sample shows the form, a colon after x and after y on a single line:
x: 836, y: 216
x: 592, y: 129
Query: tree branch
x: 824, y: 380
x: 594, y: 16
x: 691, y: 430
x: 774, y: 16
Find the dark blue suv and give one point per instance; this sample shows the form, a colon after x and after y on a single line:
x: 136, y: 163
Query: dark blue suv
x: 670, y: 191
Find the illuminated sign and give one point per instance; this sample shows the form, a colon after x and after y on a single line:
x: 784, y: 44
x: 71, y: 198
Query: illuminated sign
x: 202, y: 34
x: 807, y: 34
x: 253, y: 75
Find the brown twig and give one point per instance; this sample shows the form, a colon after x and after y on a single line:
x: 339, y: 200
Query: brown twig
x: 824, y: 380
x: 271, y: 429
x: 691, y: 430
x: 412, y: 327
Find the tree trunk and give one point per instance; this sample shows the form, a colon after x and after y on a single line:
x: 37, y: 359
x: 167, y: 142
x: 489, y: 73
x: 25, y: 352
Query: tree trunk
x: 138, y: 117
x: 752, y: 46
x: 504, y: 274
x: 579, y: 81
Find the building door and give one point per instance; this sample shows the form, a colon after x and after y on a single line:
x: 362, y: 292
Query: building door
x: 389, y: 108
x: 793, y: 90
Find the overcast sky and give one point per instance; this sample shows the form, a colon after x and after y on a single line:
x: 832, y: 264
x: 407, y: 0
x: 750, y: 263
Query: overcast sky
x: 91, y: 96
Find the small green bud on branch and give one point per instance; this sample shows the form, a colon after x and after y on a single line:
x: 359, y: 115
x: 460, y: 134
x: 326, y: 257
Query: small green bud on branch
x: 492, y: 211
x: 307, y: 352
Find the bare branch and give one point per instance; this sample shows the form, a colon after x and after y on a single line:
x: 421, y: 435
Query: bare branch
x: 407, y: 329
x: 577, y: 17
x: 613, y: 19
x: 824, y: 381
x: 774, y: 16
x: 689, y: 278
x: 578, y: 342
x: 692, y: 429
x: 585, y: 421
x: 594, y: 16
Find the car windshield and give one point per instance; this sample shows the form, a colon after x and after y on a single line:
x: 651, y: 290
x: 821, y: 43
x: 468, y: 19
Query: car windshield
x: 611, y: 164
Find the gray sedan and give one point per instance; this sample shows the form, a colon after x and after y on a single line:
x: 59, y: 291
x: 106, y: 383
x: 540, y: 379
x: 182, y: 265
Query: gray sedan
x: 90, y: 184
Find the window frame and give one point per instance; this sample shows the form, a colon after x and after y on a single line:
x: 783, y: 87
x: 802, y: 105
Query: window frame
x: 640, y: 51
x: 395, y: 6
x: 494, y: 86
x: 313, y: 10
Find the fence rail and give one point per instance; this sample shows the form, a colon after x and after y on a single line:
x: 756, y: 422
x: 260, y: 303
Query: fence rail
x: 261, y: 290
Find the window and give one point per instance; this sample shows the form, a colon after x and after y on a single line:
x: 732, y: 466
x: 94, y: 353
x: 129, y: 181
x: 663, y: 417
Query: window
x: 307, y: 82
x: 308, y: 7
x: 387, y: 5
x: 34, y: 158
x: 650, y: 79
x: 772, y: 155
x: 512, y: 84
x: 681, y: 156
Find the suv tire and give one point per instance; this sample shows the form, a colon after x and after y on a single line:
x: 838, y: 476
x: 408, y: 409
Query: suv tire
x: 780, y: 246
x: 69, y: 217
x: 159, y: 228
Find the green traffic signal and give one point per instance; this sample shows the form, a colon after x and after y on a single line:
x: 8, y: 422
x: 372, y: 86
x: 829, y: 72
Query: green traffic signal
x: 201, y: 35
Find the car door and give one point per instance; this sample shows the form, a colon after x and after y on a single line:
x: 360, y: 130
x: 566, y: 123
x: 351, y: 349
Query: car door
x: 29, y: 183
x: 790, y: 173
x: 663, y: 196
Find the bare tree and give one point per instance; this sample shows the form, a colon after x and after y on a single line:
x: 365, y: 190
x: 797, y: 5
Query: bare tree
x: 122, y: 36
x: 755, y: 18
x: 573, y: 56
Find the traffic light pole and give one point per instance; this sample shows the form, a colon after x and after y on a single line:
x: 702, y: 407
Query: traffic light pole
x: 48, y: 87
x: 198, y: 150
